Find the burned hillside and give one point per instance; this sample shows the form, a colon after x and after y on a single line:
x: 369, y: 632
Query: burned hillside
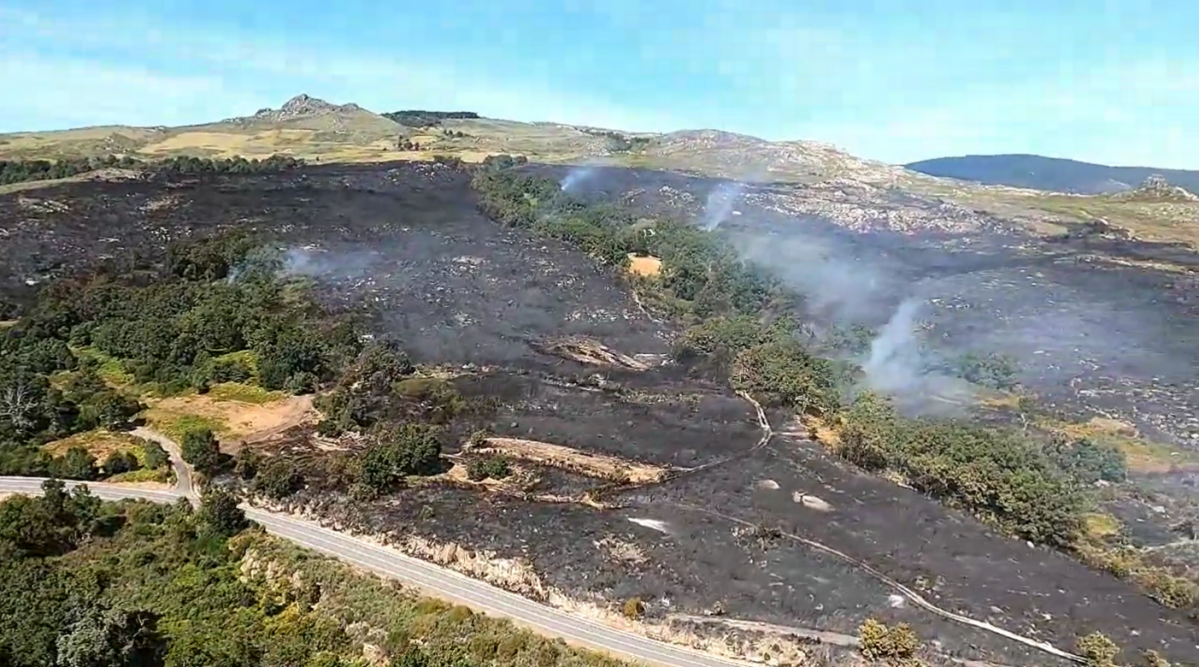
x: 605, y: 438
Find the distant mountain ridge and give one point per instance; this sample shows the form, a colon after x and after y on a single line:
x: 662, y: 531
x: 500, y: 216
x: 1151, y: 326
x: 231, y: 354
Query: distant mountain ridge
x: 1054, y: 174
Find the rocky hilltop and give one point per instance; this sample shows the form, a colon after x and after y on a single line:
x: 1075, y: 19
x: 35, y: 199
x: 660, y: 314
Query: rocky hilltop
x: 300, y: 106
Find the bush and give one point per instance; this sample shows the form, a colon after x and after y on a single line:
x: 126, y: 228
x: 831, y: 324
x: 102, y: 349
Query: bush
x: 1001, y: 477
x: 1098, y: 650
x: 1151, y: 658
x: 633, y: 608
x: 77, y: 463
x: 278, y: 479
x: 1087, y: 461
x: 488, y: 467
x: 408, y: 449
x: 219, y: 510
x: 120, y: 462
x: 155, y: 456
x: 882, y: 642
x: 782, y: 373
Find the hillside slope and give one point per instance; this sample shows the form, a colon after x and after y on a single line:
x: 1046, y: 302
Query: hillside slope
x: 1052, y: 174
x: 824, y: 180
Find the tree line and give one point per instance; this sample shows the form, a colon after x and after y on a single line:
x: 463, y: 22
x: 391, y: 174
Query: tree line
x: 420, y: 118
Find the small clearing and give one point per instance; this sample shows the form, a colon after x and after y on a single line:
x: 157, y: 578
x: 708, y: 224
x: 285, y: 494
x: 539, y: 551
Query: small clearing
x: 603, y: 466
x: 644, y: 265
x: 231, y: 420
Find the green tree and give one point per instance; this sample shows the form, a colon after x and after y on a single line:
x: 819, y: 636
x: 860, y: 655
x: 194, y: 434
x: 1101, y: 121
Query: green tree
x: 201, y: 450
x: 111, y: 638
x: 407, y: 449
x: 77, y: 463
x: 219, y: 510
x: 155, y: 455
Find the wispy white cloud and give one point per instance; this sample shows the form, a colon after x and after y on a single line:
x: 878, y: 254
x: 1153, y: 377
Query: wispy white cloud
x: 172, y: 72
x: 67, y: 92
x: 896, y: 85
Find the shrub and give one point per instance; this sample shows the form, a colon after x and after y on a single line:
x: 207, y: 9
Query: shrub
x: 1098, y: 650
x: 408, y: 449
x: 478, y: 438
x: 219, y: 510
x: 633, y: 608
x: 1087, y: 461
x: 155, y: 456
x: 118, y: 462
x: 488, y: 467
x: 782, y: 373
x: 1151, y: 658
x: 278, y: 479
x: 883, y: 642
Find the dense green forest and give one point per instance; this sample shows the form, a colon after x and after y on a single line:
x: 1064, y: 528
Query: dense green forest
x: 85, y: 583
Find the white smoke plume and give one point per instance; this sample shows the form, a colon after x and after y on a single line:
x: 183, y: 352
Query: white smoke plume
x: 721, y: 202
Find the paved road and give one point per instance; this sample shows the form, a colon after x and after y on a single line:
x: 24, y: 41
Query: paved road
x: 433, y: 579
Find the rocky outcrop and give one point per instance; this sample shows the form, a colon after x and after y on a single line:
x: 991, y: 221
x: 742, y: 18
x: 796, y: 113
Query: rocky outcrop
x: 300, y: 106
x: 1157, y: 188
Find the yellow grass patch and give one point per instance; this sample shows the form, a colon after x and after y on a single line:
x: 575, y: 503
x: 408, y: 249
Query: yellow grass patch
x: 110, y: 368
x: 5, y: 324
x: 1099, y: 526
x: 99, y: 443
x: 144, y: 478
x: 603, y: 466
x: 644, y: 265
x: 824, y: 431
x: 221, y: 142
x: 244, y: 393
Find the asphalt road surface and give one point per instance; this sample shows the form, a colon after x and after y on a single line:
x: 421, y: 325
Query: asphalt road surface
x: 431, y: 578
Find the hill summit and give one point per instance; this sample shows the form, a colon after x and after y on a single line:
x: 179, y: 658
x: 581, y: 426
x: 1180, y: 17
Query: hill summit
x: 302, y: 106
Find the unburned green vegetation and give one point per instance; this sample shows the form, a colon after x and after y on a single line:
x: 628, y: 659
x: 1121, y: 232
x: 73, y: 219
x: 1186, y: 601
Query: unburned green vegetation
x: 90, y: 583
x: 86, y: 353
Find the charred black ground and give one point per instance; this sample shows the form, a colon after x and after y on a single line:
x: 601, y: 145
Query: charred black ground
x: 407, y: 245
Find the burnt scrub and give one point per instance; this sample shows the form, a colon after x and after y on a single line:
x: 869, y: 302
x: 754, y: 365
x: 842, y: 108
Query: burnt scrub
x: 485, y: 307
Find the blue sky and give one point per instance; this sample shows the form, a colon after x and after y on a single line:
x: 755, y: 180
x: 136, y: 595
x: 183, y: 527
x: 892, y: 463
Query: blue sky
x: 1111, y: 81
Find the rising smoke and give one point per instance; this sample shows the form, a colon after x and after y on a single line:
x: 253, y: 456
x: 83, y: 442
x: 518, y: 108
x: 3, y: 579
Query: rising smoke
x: 844, y: 285
x: 576, y: 177
x: 721, y: 202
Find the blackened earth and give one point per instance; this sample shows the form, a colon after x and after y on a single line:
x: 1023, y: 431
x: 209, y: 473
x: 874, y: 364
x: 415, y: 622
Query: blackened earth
x: 406, y: 244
